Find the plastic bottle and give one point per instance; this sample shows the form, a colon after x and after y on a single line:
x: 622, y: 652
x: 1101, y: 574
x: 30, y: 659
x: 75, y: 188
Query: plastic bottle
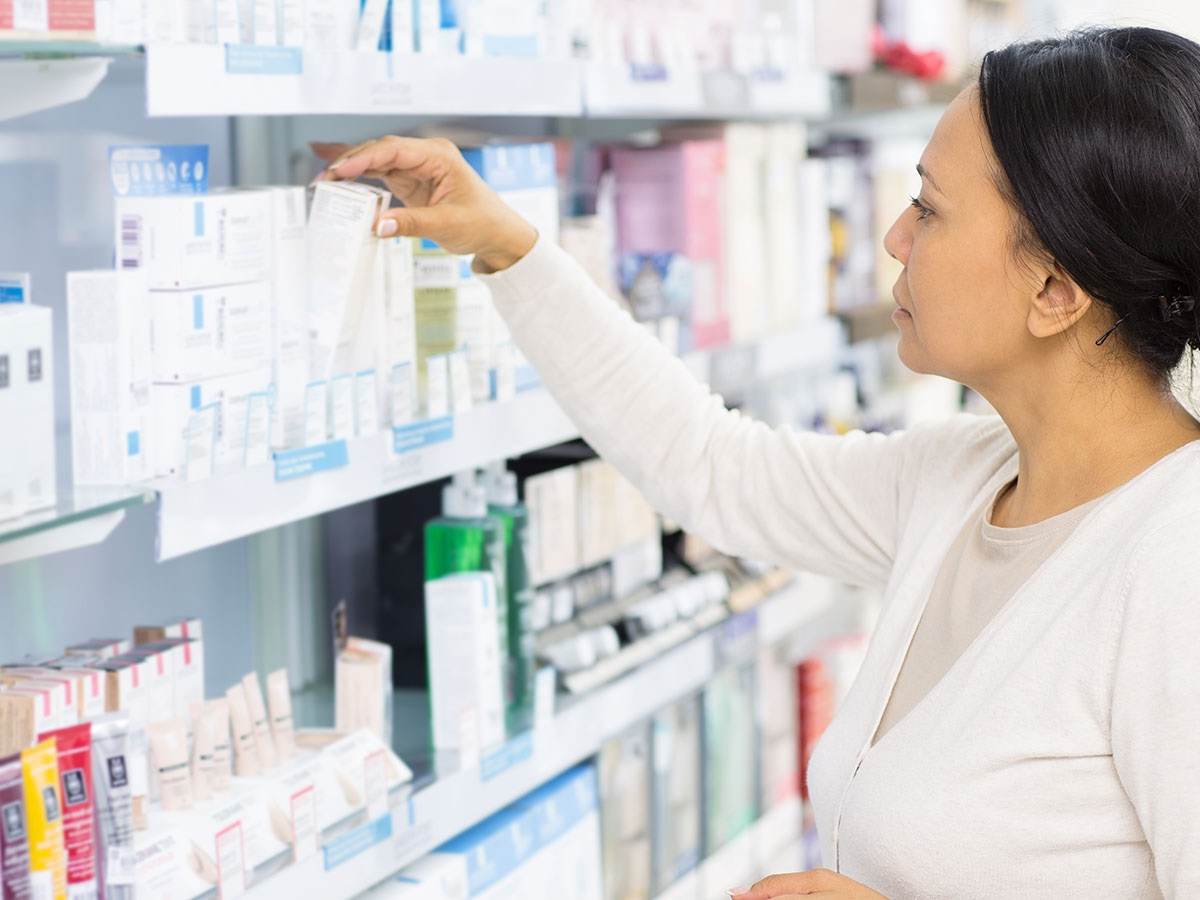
x: 501, y: 488
x: 465, y: 538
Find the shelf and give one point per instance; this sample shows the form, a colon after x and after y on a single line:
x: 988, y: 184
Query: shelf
x: 32, y: 85
x: 916, y: 121
x: 212, y: 80
x: 612, y: 91
x: 730, y: 371
x: 199, y: 514
x: 83, y: 516
x: 447, y: 799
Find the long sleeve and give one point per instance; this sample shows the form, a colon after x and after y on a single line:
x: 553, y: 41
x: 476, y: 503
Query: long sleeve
x: 823, y: 503
x: 1156, y: 702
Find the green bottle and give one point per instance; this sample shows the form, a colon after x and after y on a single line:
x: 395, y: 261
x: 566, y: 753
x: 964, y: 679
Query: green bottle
x: 465, y: 538
x: 501, y: 487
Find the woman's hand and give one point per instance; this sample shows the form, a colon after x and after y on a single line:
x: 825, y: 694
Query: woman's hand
x: 815, y: 883
x: 444, y: 199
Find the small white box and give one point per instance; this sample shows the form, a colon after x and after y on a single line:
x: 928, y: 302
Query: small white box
x: 342, y: 255
x: 108, y: 334
x: 26, y: 409
x: 464, y: 659
x: 552, y: 498
x: 174, y: 404
x: 289, y: 314
x: 210, y: 332
x: 186, y: 242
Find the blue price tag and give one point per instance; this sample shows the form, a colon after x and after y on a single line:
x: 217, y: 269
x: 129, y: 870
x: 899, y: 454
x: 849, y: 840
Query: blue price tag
x: 305, y: 461
x: 406, y: 438
x: 248, y: 59
x: 158, y: 170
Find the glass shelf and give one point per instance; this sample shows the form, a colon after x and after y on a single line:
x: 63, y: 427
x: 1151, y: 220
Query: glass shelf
x: 57, y: 49
x: 89, y: 513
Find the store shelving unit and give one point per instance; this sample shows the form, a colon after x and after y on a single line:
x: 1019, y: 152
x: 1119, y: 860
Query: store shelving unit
x: 199, y: 514
x: 82, y: 516
x: 449, y: 797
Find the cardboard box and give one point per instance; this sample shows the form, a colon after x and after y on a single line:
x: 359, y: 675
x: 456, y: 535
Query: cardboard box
x: 210, y: 332
x: 108, y: 335
x: 196, y: 241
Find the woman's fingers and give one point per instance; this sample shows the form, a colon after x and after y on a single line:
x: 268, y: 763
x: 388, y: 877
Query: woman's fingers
x: 423, y: 158
x: 412, y: 221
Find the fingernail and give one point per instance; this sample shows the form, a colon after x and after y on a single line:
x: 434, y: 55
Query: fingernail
x: 332, y: 167
x: 386, y: 228
x: 737, y: 892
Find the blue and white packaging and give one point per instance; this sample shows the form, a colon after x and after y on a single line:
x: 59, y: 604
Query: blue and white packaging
x: 186, y: 242
x: 158, y: 170
x: 108, y: 339
x: 27, y: 346
x: 173, y: 406
x: 371, y: 24
x: 210, y: 332
x: 289, y: 314
x: 525, y: 176
x: 547, y: 844
x: 330, y: 24
x: 14, y: 287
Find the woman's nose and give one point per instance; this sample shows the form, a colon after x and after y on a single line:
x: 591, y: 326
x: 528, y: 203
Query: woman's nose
x: 898, y: 240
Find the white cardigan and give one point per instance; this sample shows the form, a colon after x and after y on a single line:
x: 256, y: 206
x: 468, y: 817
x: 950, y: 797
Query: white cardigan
x: 1060, y: 755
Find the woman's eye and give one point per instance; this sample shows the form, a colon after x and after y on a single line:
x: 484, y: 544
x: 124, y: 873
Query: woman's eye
x: 923, y: 211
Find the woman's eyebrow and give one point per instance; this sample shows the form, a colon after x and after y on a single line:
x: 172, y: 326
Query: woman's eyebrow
x: 924, y: 173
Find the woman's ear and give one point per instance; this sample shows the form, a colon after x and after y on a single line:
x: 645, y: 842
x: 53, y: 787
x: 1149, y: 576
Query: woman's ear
x: 1058, y: 305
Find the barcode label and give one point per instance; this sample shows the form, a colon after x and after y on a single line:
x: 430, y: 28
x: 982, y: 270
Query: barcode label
x: 131, y: 242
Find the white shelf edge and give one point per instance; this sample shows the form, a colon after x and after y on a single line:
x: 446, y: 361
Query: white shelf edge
x: 33, y: 85
x: 194, y: 80
x: 196, y: 515
x: 83, y: 533
x: 454, y: 804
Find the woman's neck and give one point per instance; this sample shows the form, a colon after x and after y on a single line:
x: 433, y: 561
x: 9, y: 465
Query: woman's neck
x: 1081, y: 437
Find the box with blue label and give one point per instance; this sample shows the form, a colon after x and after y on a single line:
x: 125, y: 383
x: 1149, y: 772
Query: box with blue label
x: 209, y: 332
x: 525, y: 176
x: 26, y: 409
x: 108, y: 336
x: 545, y: 845
x: 186, y: 242
x: 239, y: 431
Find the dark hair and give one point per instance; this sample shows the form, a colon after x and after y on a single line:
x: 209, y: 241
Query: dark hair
x: 1098, y: 137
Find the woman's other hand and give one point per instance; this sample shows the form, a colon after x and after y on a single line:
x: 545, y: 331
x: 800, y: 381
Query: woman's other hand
x: 444, y: 199
x: 814, y: 883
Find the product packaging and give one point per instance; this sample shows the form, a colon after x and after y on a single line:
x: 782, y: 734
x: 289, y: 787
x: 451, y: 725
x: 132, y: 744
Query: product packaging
x: 552, y: 499
x: 245, y: 744
x: 363, y: 688
x: 466, y: 538
x: 74, y: 746
x: 729, y: 748
x: 289, y: 313
x: 624, y: 769
x: 14, y: 833
x: 25, y: 712
x: 108, y: 335
x: 101, y: 648
x: 26, y: 344
x: 217, y: 712
x: 259, y: 719
x: 436, y: 277
x: 170, y: 763
x: 210, y: 332
x: 465, y: 661
x: 279, y: 705
x: 186, y: 242
x: 676, y: 790
x: 342, y: 255
x: 43, y: 821
x: 203, y: 752
x: 127, y: 687
x: 113, y: 798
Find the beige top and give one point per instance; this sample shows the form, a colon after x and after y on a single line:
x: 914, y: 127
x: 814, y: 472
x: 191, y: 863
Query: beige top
x: 984, y: 567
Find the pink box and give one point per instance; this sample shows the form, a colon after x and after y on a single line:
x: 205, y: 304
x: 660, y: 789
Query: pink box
x: 669, y: 201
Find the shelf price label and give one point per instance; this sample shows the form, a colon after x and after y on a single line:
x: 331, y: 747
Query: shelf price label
x: 305, y: 461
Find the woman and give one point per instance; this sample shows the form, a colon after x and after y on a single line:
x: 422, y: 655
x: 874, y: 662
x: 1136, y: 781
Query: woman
x: 1027, y: 718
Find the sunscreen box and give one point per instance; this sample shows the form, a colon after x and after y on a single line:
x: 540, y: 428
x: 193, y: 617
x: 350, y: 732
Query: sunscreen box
x: 27, y: 473
x: 209, y: 332
x: 186, y: 242
x: 241, y: 400
x: 363, y: 688
x: 108, y: 336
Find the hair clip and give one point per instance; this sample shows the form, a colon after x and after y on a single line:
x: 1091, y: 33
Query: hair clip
x: 1176, y: 306
x: 1104, y: 337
